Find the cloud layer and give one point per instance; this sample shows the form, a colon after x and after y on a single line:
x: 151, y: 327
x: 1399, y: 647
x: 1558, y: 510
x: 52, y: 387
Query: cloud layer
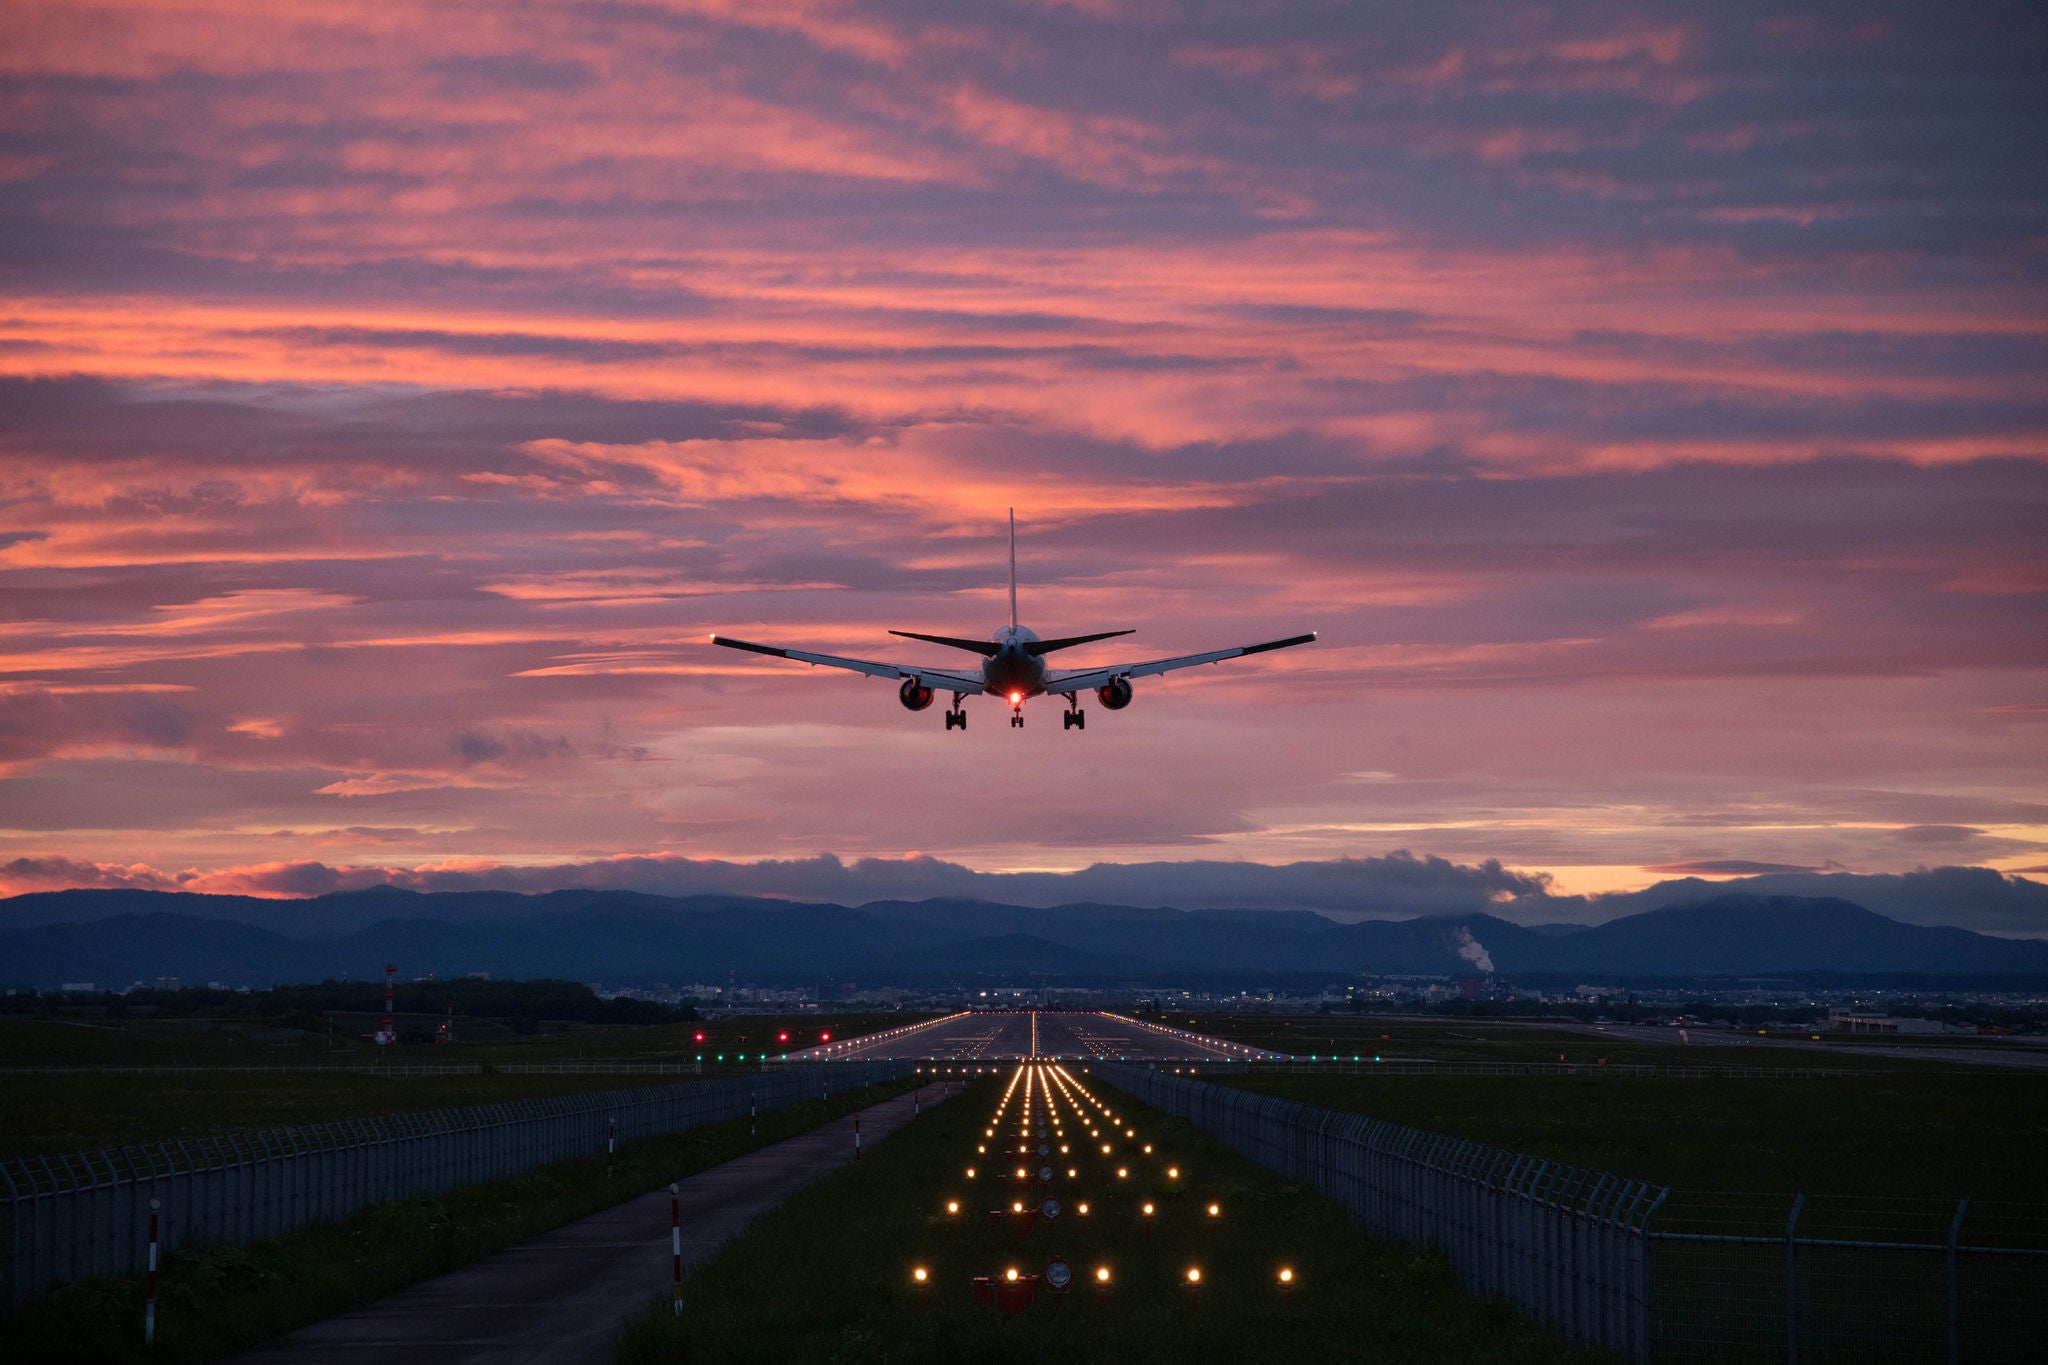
x: 1648, y: 412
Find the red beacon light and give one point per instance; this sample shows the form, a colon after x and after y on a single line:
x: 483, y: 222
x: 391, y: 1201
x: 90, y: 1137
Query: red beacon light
x: 824, y: 1037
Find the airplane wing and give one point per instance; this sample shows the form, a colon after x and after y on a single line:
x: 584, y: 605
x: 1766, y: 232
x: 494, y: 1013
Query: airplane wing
x: 1086, y: 680
x: 937, y: 679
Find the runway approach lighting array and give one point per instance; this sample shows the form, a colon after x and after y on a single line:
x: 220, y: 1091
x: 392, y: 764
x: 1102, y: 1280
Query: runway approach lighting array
x: 1041, y: 1101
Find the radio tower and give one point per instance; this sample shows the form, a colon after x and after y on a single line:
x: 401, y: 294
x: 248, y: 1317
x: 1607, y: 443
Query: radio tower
x: 390, y: 1033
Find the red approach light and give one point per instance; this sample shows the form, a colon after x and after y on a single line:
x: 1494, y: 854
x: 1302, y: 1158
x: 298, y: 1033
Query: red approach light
x: 824, y: 1037
x: 700, y: 1037
x: 782, y: 1037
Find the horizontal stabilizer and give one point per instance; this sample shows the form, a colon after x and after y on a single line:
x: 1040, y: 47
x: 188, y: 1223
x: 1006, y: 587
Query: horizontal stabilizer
x: 1048, y: 646
x: 986, y: 648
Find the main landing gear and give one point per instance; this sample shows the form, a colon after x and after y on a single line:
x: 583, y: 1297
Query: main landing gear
x: 956, y: 718
x: 1074, y: 719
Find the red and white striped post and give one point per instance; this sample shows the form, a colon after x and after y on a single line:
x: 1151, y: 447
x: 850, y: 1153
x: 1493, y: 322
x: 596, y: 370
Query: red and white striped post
x: 856, y: 1135
x: 675, y: 1244
x: 149, y: 1304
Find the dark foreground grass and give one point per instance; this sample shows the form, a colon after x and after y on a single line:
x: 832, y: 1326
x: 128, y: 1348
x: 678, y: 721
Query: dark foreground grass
x: 1924, y: 1133
x: 220, y: 1299
x: 828, y: 1276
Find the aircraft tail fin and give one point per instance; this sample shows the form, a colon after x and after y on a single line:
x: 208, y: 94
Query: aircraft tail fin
x: 1013, y: 568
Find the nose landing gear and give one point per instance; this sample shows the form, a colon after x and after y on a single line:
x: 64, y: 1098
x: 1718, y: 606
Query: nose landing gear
x: 1017, y: 718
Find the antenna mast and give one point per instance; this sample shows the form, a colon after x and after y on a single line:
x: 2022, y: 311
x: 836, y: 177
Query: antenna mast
x: 1013, y: 568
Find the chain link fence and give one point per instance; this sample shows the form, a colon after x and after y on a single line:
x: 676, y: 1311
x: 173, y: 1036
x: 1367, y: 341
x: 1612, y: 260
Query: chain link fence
x: 1564, y: 1243
x: 1863, y: 1278
x: 86, y: 1213
x: 1654, y: 1274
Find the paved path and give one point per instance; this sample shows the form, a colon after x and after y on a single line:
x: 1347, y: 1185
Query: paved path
x: 564, y: 1296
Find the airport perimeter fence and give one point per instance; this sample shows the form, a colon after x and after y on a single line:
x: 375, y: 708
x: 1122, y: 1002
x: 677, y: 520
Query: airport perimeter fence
x: 1565, y: 1244
x: 87, y: 1213
x: 1654, y: 1274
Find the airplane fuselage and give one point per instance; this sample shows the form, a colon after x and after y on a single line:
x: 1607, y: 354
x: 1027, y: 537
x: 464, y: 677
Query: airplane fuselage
x: 1013, y: 672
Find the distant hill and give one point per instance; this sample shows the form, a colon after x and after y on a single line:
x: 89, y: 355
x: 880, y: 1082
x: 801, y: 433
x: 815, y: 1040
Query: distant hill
x: 114, y: 937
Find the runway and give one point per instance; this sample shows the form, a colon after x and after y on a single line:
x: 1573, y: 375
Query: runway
x: 1013, y: 1035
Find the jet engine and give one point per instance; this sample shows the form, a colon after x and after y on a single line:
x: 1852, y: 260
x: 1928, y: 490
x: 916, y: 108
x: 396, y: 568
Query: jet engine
x: 913, y: 695
x: 1114, y: 694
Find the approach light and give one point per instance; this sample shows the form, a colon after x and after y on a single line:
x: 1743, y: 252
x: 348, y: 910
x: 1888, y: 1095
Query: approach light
x: 970, y: 1173
x: 1105, y: 1149
x: 1286, y: 1275
x: 1017, y: 1206
x: 1215, y: 1210
x: 1148, y: 1210
x: 1102, y: 1274
x: 1173, y: 1172
x: 1011, y: 1274
x: 1148, y: 1149
x: 700, y: 1037
x: 918, y: 1275
x: 1123, y: 1173
x: 824, y: 1037
x: 952, y: 1206
x: 1073, y: 1173
x: 1194, y: 1274
x: 782, y: 1037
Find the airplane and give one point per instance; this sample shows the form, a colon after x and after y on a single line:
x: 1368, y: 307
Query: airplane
x: 1013, y: 666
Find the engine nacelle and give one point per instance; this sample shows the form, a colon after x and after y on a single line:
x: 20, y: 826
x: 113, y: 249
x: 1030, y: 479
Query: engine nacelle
x: 914, y: 695
x: 1115, y: 694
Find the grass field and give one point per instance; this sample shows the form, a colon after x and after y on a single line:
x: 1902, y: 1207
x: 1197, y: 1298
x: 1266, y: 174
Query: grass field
x: 216, y: 1300
x: 1934, y: 1133
x: 49, y: 1113
x: 828, y: 1277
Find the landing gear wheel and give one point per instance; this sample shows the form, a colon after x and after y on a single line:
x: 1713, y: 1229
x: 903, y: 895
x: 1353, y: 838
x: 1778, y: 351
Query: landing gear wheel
x: 956, y: 717
x: 1076, y: 719
x: 1016, y: 720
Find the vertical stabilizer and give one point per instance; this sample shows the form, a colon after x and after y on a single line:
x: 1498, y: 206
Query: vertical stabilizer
x: 1013, y: 568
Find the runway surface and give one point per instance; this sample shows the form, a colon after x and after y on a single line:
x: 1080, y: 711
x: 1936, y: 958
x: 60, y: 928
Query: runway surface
x: 1010, y: 1035
x: 564, y: 1296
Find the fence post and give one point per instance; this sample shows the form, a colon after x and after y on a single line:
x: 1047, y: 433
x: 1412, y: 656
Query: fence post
x: 149, y: 1304
x: 1792, y: 1282
x: 675, y: 1242
x: 1955, y: 1301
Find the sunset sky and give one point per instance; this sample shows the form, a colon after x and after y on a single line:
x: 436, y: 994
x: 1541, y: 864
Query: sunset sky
x: 1647, y: 404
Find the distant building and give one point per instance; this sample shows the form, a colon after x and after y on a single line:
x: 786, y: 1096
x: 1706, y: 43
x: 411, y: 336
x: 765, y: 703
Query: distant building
x: 83, y: 987
x: 1855, y: 1022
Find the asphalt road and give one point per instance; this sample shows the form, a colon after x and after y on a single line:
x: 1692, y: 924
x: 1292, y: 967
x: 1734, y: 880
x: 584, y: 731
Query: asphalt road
x: 562, y: 1298
x: 1009, y: 1035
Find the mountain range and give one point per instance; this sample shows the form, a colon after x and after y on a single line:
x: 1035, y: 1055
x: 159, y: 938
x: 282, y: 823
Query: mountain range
x: 113, y: 937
